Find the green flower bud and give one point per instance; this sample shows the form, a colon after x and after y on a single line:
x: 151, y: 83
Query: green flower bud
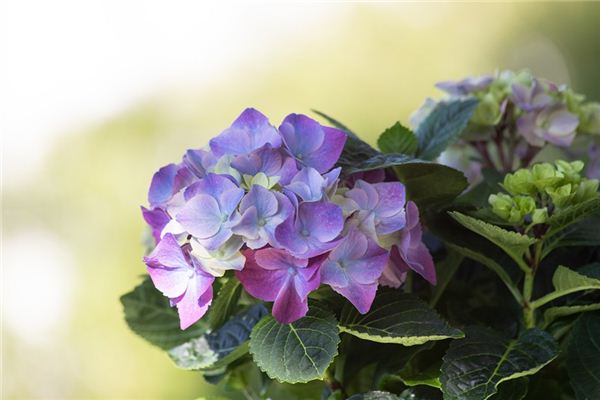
x: 589, y: 117
x: 570, y: 171
x: 520, y: 182
x: 573, y: 100
x: 561, y: 196
x: 487, y: 111
x: 539, y: 216
x: 525, y: 204
x: 545, y: 176
x: 502, y: 204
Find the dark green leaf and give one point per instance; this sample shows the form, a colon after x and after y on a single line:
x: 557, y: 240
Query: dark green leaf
x: 396, y: 318
x: 149, y: 314
x: 398, y: 139
x: 584, y: 233
x: 514, y: 389
x: 474, y: 367
x: 335, y: 123
x: 583, y: 357
x: 296, y: 352
x: 443, y: 126
x: 553, y: 313
x: 225, y: 303
x: 375, y: 395
x: 574, y: 214
x: 222, y: 346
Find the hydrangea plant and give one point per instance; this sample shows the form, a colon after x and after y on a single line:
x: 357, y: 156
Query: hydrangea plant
x: 298, y: 261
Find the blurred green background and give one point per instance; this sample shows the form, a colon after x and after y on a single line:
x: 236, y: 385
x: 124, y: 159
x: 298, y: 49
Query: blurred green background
x: 72, y: 231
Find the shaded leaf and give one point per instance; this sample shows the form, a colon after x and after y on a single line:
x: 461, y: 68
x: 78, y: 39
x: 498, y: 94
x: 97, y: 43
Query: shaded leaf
x: 222, y: 346
x: 225, y: 303
x: 398, y: 139
x: 515, y: 389
x: 149, y: 314
x: 375, y: 395
x: 396, y: 318
x: 443, y: 126
x: 553, y: 313
x: 474, y: 367
x: 583, y: 357
x: 573, y: 214
x: 296, y: 352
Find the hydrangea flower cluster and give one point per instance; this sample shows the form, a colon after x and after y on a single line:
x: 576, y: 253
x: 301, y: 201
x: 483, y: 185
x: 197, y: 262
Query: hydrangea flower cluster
x: 536, y: 193
x: 267, y: 203
x: 516, y: 116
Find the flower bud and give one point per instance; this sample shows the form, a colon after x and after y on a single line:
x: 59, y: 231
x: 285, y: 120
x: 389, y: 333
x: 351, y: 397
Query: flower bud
x: 488, y: 111
x: 589, y: 115
x: 520, y: 182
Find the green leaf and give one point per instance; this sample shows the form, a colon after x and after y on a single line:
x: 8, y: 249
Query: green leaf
x: 219, y: 348
x: 583, y: 357
x: 398, y: 139
x: 149, y: 314
x: 429, y: 377
x: 445, y: 270
x: 515, y: 389
x: 427, y: 183
x: 514, y: 244
x: 573, y: 214
x: 375, y: 395
x: 443, y: 126
x: 396, y: 318
x: 225, y: 303
x: 583, y: 233
x: 568, y: 280
x: 553, y: 313
x: 474, y: 367
x: 296, y: 352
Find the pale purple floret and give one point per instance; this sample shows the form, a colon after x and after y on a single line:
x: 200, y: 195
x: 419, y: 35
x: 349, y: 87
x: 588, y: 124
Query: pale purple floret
x: 409, y: 253
x: 466, y: 86
x: 181, y: 278
x: 312, y: 144
x: 353, y: 269
x: 379, y: 207
x: 166, y: 182
x: 268, y: 160
x: 250, y: 131
x: 199, y: 161
x: 210, y: 211
x: 157, y: 218
x: 312, y: 231
x: 310, y: 185
x: 554, y: 124
x: 531, y: 98
x: 262, y: 211
x: 274, y: 275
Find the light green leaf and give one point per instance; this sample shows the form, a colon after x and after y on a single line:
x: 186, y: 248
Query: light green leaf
x: 567, y: 281
x: 398, y: 139
x: 224, y: 304
x: 296, y: 352
x: 553, y: 313
x: 583, y: 357
x: 429, y: 377
x: 443, y: 126
x: 396, y: 317
x: 149, y: 314
x: 474, y: 367
x: 514, y: 244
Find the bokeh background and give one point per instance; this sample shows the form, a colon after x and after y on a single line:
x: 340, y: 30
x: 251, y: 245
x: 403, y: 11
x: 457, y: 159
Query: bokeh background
x: 96, y: 95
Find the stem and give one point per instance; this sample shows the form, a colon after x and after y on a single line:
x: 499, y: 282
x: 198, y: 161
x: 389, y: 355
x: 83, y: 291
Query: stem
x: 528, y: 310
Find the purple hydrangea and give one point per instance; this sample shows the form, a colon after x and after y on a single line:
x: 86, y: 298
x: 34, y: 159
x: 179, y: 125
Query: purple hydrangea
x: 181, y: 278
x: 553, y: 124
x: 466, y: 86
x: 409, y: 252
x: 275, y: 275
x: 353, y: 269
x: 268, y: 204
